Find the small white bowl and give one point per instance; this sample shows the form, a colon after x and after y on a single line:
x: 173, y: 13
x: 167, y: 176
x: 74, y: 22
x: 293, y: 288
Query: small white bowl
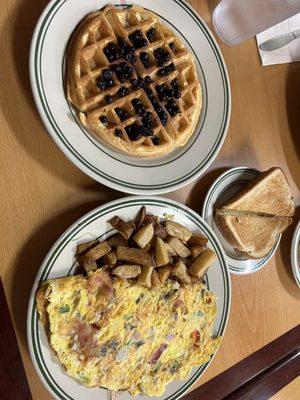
x: 295, y: 254
x: 225, y: 187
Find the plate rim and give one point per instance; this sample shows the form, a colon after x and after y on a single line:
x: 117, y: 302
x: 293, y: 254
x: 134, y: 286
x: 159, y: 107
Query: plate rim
x: 138, y: 200
x: 206, y: 204
x: 108, y: 180
x: 294, y: 256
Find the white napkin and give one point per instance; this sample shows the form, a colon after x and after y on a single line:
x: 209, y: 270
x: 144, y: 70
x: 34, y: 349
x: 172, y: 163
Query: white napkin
x: 286, y: 54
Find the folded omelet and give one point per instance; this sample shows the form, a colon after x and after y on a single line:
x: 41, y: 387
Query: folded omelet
x: 122, y: 336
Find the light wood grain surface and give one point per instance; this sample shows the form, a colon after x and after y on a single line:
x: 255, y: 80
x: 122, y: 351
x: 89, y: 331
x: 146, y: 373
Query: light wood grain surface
x: 42, y: 193
x: 289, y: 392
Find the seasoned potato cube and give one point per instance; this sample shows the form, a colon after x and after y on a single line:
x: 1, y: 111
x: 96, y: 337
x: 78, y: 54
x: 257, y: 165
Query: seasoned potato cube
x: 92, y: 255
x: 197, y: 250
x: 124, y: 228
x: 187, y: 261
x: 144, y: 235
x: 150, y: 219
x: 171, y: 252
x: 178, y: 247
x: 161, y: 253
x: 144, y: 278
x: 127, y: 271
x: 178, y: 230
x: 110, y: 258
x: 164, y: 274
x: 160, y: 231
x: 83, y: 247
x: 139, y: 219
x: 155, y: 282
x: 202, y: 263
x: 197, y: 239
x: 89, y: 267
x: 117, y: 240
x: 180, y: 271
x: 133, y: 255
x: 148, y: 246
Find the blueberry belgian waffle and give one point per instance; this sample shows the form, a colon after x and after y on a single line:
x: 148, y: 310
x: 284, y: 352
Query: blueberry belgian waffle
x: 133, y: 82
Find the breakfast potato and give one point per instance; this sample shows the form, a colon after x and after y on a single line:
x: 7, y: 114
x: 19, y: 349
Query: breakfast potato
x: 180, y: 271
x: 151, y: 219
x: 144, y: 235
x: 139, y: 219
x: 117, y: 240
x: 90, y: 267
x: 124, y: 228
x: 144, y: 278
x: 178, y: 247
x: 92, y: 255
x: 134, y: 255
x: 83, y: 247
x: 110, y: 258
x: 164, y: 273
x: 186, y: 261
x: 178, y: 230
x: 197, y: 250
x: 202, y: 263
x: 160, y: 231
x: 161, y: 253
x: 127, y: 271
x: 155, y: 282
x: 197, y: 239
x: 171, y: 252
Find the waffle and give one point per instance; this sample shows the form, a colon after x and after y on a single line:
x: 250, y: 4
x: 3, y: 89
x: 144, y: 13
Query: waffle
x: 119, y: 91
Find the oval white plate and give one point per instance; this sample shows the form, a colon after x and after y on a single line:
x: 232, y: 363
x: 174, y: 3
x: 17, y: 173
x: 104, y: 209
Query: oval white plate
x: 226, y: 186
x: 60, y: 262
x: 119, y: 171
x: 295, y: 254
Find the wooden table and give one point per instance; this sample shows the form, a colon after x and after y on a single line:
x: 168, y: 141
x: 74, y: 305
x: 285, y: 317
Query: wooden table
x: 42, y: 193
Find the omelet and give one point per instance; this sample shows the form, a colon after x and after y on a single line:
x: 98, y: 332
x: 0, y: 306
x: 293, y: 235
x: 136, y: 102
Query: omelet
x: 122, y: 336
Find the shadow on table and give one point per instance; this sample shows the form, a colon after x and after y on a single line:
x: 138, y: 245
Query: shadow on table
x: 31, y: 256
x: 293, y: 114
x: 284, y: 267
x: 199, y: 191
x: 19, y: 109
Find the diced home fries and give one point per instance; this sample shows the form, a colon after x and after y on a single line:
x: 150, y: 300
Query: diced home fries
x: 150, y: 251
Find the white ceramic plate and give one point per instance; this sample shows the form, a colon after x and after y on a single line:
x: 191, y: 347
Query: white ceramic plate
x: 226, y: 186
x: 60, y: 262
x: 295, y: 254
x: 119, y: 171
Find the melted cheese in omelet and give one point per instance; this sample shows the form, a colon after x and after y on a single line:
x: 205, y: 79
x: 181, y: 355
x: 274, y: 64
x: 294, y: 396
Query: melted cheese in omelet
x: 128, y: 337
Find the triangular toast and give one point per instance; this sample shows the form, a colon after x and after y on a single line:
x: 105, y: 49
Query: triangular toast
x: 269, y: 193
x: 251, y: 235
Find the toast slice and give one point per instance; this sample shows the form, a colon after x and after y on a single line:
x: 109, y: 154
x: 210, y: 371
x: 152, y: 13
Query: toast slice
x: 269, y: 193
x: 250, y: 234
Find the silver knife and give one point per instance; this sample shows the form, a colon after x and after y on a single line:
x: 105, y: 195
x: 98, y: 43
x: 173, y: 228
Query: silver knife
x: 279, y: 41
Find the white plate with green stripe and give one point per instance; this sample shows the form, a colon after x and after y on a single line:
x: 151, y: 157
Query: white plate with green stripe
x: 119, y: 171
x: 226, y: 186
x: 60, y: 262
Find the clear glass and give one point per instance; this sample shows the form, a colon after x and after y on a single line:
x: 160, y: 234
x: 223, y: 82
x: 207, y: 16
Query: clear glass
x: 238, y: 20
